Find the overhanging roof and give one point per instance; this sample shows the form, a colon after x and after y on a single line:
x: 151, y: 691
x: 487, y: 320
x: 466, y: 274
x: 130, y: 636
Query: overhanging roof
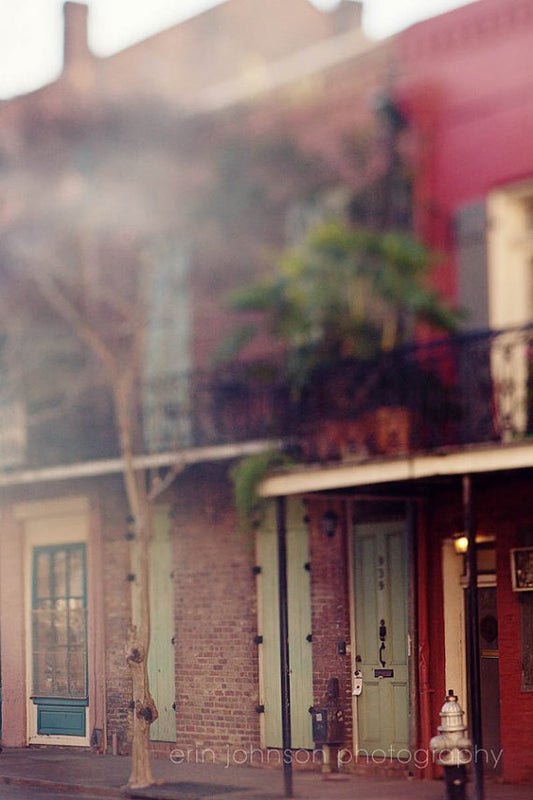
x: 299, y: 480
x: 489, y: 458
x: 110, y: 466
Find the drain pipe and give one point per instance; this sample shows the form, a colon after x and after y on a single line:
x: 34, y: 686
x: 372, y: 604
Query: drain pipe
x: 474, y: 694
x: 284, y: 646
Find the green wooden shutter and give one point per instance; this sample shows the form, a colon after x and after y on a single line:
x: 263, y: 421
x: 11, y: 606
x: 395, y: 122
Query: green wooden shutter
x: 161, y: 669
x: 268, y: 626
x: 299, y: 610
x: 300, y: 646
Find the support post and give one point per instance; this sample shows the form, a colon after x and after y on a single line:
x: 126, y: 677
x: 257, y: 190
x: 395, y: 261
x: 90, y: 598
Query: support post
x: 421, y: 627
x: 472, y: 625
x: 284, y: 645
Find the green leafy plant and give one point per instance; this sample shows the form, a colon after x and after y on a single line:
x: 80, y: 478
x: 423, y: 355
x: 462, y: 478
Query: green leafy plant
x: 344, y: 292
x: 247, y: 474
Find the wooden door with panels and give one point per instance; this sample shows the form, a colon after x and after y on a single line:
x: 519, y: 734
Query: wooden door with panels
x: 382, y: 636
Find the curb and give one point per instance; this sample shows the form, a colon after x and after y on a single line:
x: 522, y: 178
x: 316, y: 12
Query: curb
x: 150, y: 793
x: 56, y: 786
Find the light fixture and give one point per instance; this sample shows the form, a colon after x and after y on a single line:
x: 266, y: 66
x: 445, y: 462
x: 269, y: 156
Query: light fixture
x: 329, y: 523
x: 460, y: 543
x: 483, y: 541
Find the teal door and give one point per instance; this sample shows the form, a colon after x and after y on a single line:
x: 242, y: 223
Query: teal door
x: 299, y: 613
x: 59, y: 632
x: 381, y: 614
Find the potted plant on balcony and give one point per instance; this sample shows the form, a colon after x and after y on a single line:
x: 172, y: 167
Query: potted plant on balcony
x: 344, y: 294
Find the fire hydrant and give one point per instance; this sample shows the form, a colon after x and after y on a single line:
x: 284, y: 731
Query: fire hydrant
x: 452, y: 747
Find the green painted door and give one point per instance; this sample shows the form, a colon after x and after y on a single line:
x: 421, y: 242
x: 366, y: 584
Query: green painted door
x: 381, y: 614
x: 299, y: 612
x: 161, y: 669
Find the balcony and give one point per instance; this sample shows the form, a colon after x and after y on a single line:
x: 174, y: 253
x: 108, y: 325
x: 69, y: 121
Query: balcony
x: 468, y: 390
x: 453, y: 393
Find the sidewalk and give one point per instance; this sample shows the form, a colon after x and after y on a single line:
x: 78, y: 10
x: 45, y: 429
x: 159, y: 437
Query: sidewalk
x: 82, y: 772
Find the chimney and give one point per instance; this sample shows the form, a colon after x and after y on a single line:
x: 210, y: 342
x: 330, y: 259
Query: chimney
x: 347, y: 15
x: 76, y: 42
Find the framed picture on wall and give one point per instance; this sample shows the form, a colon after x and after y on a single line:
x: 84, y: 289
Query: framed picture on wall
x: 522, y: 569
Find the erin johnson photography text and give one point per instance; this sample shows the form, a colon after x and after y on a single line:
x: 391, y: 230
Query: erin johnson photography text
x: 238, y: 756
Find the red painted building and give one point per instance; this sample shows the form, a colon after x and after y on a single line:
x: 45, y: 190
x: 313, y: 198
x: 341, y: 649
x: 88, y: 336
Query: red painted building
x: 466, y: 84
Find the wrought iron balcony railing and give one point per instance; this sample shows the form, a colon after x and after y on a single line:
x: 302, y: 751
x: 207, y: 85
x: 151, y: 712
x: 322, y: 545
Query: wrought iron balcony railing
x: 471, y: 389
x: 462, y: 390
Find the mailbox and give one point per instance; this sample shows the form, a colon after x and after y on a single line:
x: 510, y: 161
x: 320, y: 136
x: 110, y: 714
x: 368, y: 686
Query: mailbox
x: 328, y: 721
x: 328, y: 725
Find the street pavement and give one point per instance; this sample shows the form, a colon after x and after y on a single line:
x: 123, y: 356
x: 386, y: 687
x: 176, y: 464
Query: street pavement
x: 37, y: 793
x: 45, y: 773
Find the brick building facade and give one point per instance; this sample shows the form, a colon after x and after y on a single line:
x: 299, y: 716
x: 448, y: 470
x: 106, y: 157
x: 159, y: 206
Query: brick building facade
x: 382, y: 592
x: 119, y: 147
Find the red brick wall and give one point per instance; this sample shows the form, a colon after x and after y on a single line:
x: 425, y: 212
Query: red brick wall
x: 215, y: 618
x: 330, y: 609
x: 216, y: 658
x: 503, y: 509
x: 516, y: 706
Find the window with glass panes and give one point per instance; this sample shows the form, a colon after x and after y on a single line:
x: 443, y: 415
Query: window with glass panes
x: 59, y: 621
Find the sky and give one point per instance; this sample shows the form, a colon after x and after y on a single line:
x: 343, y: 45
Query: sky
x: 31, y: 32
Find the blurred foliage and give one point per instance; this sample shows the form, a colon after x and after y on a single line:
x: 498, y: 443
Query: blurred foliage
x: 247, y: 474
x: 344, y: 292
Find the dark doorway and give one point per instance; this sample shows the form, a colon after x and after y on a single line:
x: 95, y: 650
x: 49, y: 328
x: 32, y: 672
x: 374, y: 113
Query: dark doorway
x: 490, y: 677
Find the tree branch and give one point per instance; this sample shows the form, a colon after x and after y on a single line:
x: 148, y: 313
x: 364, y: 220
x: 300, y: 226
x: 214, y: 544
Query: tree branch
x: 161, y: 484
x: 59, y: 303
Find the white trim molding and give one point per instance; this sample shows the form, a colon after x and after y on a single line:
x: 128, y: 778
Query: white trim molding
x: 490, y: 458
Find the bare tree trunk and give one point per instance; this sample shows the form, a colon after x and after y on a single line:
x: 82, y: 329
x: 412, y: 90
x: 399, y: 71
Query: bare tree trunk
x: 144, y: 710
x: 144, y: 713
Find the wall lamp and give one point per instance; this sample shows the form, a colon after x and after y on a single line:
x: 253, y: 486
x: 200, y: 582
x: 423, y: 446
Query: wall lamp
x: 330, y: 520
x: 460, y: 543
